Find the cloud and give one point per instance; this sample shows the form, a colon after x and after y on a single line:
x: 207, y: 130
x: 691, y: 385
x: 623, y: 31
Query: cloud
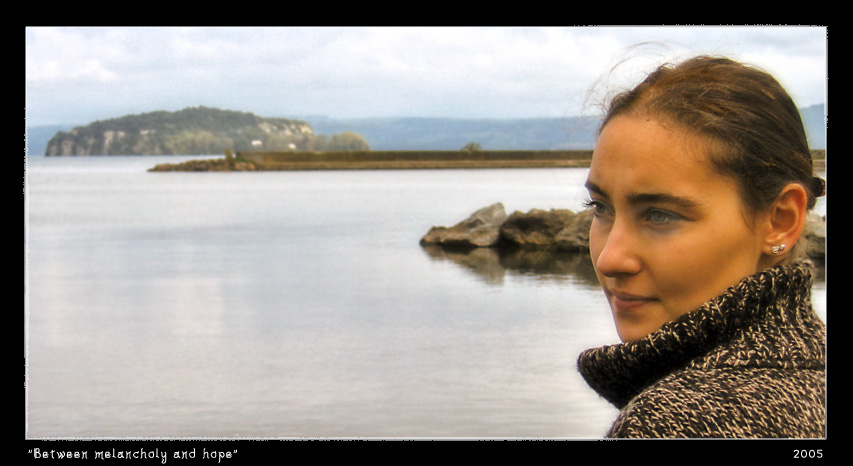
x: 54, y: 56
x: 80, y: 74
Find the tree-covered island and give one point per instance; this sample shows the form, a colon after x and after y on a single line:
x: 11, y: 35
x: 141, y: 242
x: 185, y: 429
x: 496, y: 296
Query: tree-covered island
x: 195, y: 131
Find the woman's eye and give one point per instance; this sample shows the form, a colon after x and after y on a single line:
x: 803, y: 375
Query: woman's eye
x: 661, y: 217
x: 597, y: 207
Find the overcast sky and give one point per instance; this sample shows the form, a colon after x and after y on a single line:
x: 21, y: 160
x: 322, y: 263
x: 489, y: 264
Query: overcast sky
x: 78, y: 75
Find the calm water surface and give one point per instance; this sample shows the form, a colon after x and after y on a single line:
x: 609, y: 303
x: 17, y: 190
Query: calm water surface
x: 299, y: 304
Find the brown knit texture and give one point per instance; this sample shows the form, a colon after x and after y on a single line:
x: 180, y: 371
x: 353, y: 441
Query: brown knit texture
x: 749, y: 363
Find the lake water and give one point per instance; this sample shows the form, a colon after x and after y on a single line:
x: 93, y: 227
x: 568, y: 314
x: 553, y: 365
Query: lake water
x: 298, y: 304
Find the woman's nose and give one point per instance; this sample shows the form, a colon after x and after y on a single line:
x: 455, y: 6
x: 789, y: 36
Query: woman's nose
x: 619, y: 252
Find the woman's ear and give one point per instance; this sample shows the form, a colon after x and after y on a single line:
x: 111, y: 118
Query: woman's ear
x: 787, y: 217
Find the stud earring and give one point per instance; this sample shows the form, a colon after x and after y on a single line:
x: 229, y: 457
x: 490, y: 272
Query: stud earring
x: 778, y: 249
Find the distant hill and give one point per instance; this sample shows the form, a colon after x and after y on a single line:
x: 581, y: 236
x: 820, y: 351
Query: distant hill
x: 400, y: 133
x: 411, y: 133
x: 499, y: 134
x: 196, y: 130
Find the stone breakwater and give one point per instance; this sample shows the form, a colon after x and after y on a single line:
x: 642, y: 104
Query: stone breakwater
x: 383, y: 160
x: 377, y: 160
x: 556, y: 231
x: 210, y: 165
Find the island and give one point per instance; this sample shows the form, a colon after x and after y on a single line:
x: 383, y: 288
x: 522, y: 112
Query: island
x: 193, y: 131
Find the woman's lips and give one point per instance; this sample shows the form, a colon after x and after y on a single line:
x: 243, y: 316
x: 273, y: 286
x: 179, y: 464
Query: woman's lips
x: 627, y: 301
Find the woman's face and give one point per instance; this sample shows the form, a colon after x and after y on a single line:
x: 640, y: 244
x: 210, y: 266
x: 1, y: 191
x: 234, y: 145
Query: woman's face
x: 669, y: 233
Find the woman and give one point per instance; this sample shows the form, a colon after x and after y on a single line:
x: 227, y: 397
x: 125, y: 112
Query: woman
x: 700, y: 184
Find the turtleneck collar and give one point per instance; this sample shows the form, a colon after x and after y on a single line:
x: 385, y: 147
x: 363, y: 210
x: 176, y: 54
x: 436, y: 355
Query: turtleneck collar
x: 765, y: 319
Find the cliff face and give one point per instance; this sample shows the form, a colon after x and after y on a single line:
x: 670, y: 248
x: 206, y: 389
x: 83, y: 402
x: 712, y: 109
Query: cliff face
x: 192, y: 131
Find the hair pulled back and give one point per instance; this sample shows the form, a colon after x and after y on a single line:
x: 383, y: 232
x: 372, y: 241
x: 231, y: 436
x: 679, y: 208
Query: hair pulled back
x: 757, y: 133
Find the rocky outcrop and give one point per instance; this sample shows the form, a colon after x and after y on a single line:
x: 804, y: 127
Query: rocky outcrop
x: 536, y: 229
x: 814, y: 235
x: 575, y: 234
x: 556, y: 229
x: 481, y: 229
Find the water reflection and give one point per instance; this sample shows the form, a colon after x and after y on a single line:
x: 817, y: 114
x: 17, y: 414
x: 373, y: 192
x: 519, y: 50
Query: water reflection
x: 491, y: 265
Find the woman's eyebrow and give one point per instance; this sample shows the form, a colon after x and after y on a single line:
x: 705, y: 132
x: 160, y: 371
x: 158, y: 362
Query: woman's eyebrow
x: 649, y: 198
x: 590, y: 186
x: 663, y: 198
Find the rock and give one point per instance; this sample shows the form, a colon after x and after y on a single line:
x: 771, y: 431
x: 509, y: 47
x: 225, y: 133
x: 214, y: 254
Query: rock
x: 814, y: 237
x: 536, y: 229
x: 481, y: 229
x: 575, y: 235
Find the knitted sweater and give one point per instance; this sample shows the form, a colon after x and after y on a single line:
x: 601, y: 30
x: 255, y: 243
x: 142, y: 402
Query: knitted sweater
x: 749, y: 363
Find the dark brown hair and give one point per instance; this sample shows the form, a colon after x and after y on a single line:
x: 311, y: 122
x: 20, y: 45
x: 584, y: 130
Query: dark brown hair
x: 757, y: 133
